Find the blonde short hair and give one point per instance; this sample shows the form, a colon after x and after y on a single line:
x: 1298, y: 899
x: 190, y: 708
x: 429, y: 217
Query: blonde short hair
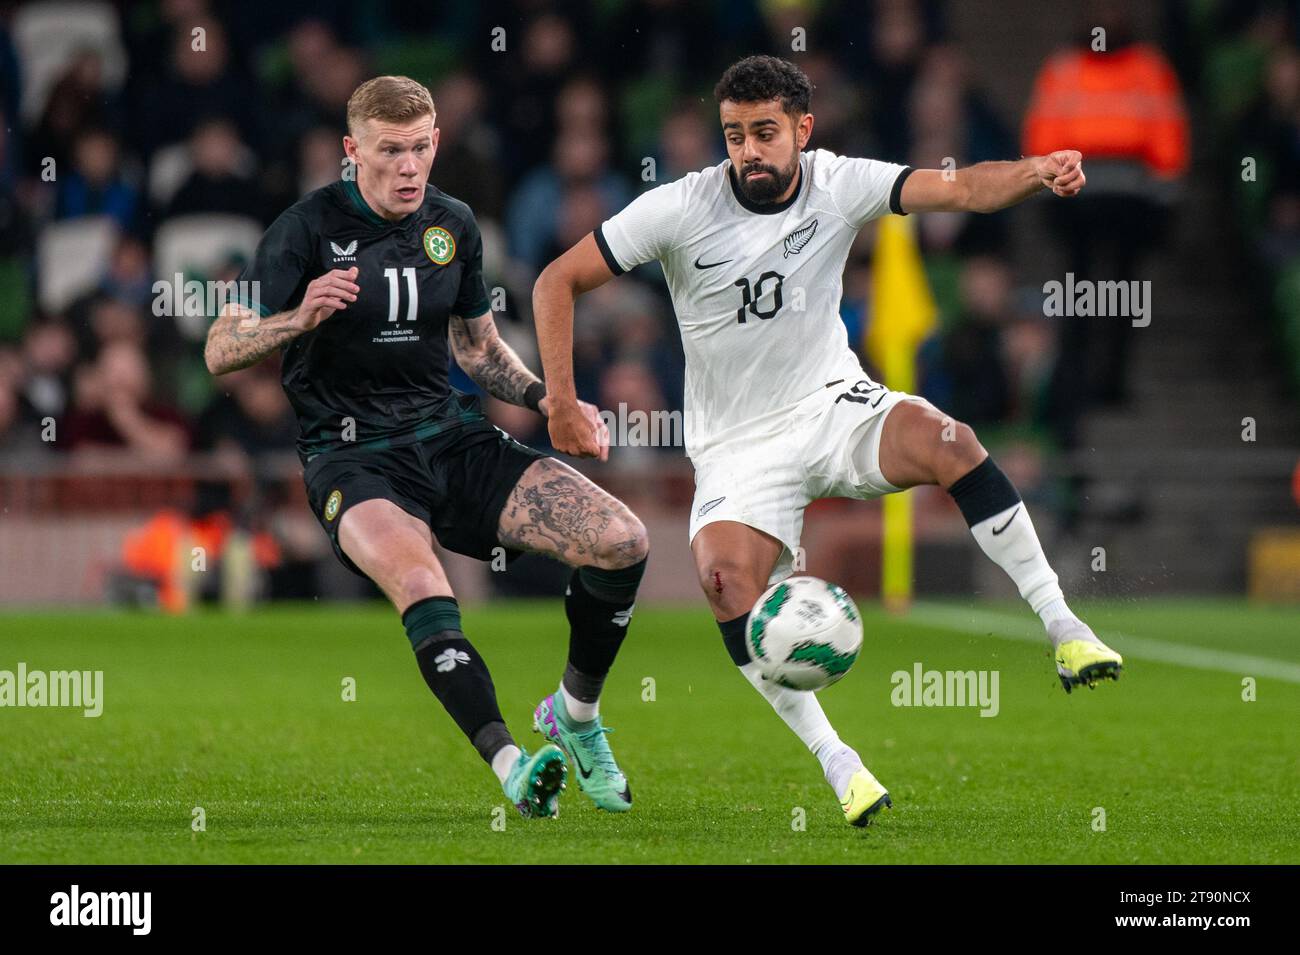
x: 395, y: 99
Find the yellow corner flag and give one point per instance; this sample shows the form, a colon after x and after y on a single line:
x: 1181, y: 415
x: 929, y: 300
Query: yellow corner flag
x: 903, y: 315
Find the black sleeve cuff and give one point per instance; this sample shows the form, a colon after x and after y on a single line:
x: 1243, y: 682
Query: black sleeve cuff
x: 472, y: 311
x: 606, y: 252
x: 896, y: 194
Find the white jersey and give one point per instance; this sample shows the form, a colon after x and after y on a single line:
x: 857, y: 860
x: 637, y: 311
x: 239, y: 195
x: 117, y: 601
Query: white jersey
x: 756, y: 288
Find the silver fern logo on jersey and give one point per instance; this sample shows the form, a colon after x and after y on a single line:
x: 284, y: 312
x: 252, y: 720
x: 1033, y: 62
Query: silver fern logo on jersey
x: 797, y: 239
x: 344, y: 253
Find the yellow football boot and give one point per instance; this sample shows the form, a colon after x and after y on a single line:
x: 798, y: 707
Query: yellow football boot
x: 1084, y: 661
x: 863, y: 797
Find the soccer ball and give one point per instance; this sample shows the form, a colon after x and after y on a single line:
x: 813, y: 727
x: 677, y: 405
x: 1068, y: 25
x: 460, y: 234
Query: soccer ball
x: 804, y: 633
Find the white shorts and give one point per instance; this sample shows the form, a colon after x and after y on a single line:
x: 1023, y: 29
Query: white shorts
x: 827, y: 446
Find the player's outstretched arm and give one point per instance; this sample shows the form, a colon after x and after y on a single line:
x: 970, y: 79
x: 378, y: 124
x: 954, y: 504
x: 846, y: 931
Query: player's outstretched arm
x: 990, y: 186
x: 484, y: 355
x: 239, y: 338
x: 578, y: 270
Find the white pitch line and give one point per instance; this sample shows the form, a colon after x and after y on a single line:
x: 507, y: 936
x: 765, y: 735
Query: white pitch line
x: 1025, y: 629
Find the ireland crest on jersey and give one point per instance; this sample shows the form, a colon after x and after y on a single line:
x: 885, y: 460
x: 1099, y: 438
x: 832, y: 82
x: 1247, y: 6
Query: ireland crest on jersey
x: 439, y: 246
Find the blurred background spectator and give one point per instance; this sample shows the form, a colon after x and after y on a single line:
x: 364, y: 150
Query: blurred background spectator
x: 1120, y: 103
x: 113, y: 407
x: 95, y: 184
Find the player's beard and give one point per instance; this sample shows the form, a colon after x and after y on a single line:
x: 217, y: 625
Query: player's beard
x: 772, y: 187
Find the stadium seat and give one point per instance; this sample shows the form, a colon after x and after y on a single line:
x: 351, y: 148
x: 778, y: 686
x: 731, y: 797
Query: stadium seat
x: 172, y: 165
x: 1233, y: 75
x: 168, y: 169
x: 15, y: 298
x: 426, y: 59
x: 1287, y: 301
x: 49, y: 35
x: 72, y: 256
x: 198, y: 246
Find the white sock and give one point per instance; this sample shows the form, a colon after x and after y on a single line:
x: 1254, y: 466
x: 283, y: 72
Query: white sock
x: 504, y: 761
x: 1056, y: 610
x: 1062, y: 624
x: 577, y: 710
x: 840, y: 764
x: 802, y: 713
x: 1015, y: 548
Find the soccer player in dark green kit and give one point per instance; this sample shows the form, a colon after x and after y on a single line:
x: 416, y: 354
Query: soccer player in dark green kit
x: 361, y: 283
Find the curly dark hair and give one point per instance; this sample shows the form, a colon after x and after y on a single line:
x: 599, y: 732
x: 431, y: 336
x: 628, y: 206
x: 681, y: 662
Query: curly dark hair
x: 756, y: 79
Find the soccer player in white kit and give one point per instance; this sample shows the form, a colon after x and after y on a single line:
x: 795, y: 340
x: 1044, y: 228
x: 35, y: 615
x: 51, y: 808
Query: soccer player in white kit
x: 778, y: 411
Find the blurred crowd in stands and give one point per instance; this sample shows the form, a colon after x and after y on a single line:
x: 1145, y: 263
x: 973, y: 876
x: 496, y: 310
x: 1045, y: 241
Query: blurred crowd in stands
x: 131, y: 138
x: 1249, y: 57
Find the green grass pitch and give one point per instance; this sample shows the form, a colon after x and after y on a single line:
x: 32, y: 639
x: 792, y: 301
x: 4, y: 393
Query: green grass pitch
x: 244, y: 716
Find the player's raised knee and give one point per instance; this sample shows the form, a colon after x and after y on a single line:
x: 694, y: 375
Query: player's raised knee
x: 418, y: 582
x: 728, y: 586
x: 624, y: 543
x: 959, y: 451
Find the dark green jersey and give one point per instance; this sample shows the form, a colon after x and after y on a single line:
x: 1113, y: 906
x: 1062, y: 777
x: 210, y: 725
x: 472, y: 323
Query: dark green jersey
x: 374, y: 374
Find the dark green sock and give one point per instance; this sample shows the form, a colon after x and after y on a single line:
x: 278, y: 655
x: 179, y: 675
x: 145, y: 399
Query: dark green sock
x: 456, y: 673
x: 426, y: 618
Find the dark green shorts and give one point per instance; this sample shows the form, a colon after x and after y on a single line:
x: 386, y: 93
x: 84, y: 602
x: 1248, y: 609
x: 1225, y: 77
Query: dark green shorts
x: 456, y: 482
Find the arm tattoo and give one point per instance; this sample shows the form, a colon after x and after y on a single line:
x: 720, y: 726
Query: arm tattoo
x: 237, y: 339
x: 488, y: 360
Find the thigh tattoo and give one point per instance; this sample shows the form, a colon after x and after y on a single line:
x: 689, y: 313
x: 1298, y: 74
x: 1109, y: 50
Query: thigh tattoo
x: 559, y: 512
